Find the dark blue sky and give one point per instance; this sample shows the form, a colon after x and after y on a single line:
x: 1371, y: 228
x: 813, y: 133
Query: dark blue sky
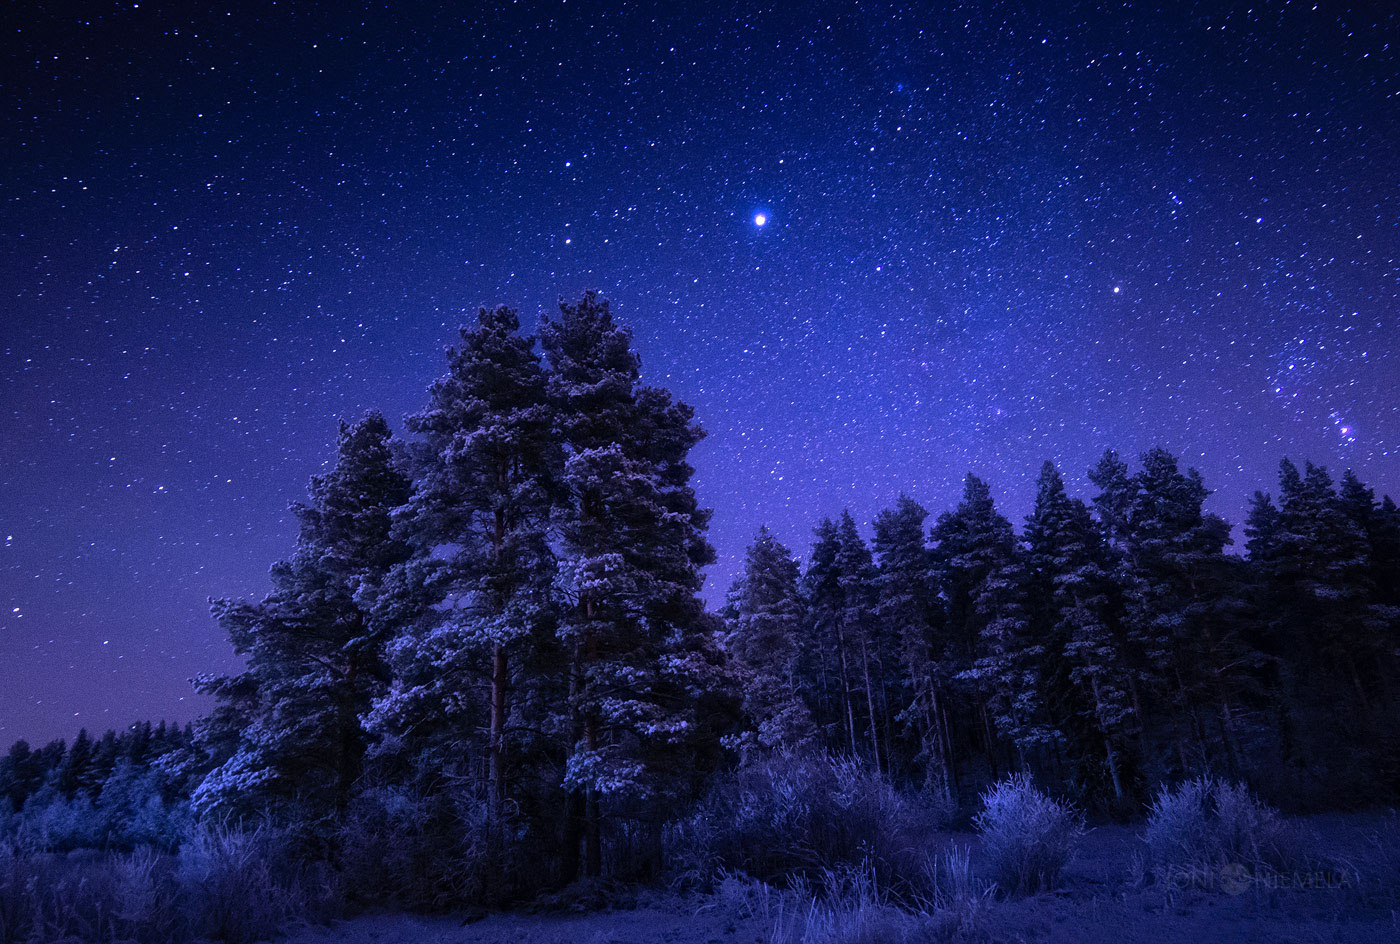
x: 990, y: 239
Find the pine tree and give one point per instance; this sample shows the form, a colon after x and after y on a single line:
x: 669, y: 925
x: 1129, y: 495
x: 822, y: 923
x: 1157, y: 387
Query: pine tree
x: 1261, y: 527
x: 840, y: 592
x: 909, y: 610
x: 1380, y: 523
x: 1011, y: 661
x: 764, y: 615
x: 1115, y: 499
x: 1188, y: 615
x: 633, y: 544
x: 1085, y: 674
x: 476, y: 595
x: 315, y: 651
x: 823, y: 673
x: 1324, y: 554
x: 975, y: 569
x: 872, y: 648
x: 75, y: 773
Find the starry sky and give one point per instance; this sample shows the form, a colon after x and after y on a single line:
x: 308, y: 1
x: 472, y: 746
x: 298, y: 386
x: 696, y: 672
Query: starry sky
x: 876, y: 247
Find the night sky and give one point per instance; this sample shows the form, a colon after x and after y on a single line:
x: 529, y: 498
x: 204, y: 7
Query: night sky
x: 875, y: 248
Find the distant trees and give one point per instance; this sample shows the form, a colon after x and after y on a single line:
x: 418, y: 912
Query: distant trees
x: 119, y: 791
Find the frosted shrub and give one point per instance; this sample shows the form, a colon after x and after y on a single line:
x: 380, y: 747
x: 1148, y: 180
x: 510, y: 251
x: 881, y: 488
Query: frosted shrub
x: 792, y: 815
x: 848, y: 906
x: 1027, y: 837
x: 1206, y: 823
x: 226, y: 885
x: 51, y: 821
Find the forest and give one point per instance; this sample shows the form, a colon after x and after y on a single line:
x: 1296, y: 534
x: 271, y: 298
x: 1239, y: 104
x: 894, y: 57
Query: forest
x: 484, y: 675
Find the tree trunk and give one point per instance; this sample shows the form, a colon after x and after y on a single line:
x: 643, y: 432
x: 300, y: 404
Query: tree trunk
x: 987, y: 743
x: 574, y: 807
x: 593, y: 850
x: 592, y: 837
x: 846, y: 689
x: 499, y: 676
x: 870, y: 700
x: 348, y: 748
x: 1111, y: 757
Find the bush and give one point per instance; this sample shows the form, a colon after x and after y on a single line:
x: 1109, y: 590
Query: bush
x: 1027, y: 837
x: 227, y: 885
x: 1207, y: 824
x: 800, y: 815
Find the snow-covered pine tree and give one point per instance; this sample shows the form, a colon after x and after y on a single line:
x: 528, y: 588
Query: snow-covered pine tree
x: 1012, y: 662
x: 644, y: 656
x: 475, y: 598
x: 1085, y: 672
x: 1189, y: 617
x: 874, y: 649
x: 974, y: 562
x: 764, y: 615
x: 845, y: 649
x: 1323, y: 555
x: 1114, y: 501
x: 908, y: 608
x: 313, y: 647
x: 823, y: 670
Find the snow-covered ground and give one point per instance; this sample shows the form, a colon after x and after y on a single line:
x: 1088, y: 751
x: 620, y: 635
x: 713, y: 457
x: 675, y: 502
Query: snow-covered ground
x: 1101, y: 902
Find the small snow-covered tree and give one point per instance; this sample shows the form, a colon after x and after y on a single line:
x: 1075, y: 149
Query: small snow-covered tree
x: 314, y: 649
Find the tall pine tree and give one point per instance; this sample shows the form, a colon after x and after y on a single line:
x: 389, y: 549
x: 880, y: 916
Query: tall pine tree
x: 478, y: 518
x: 910, y: 611
x: 643, y: 653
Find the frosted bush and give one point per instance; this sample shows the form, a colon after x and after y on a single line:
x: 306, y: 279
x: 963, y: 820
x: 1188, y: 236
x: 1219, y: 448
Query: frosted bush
x: 1027, y: 837
x: 790, y: 815
x: 227, y: 885
x: 1206, y: 823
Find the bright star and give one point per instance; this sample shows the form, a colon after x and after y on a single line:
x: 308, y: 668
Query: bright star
x: 759, y: 219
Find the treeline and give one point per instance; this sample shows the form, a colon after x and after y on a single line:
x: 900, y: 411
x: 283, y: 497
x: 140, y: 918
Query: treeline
x: 1107, y: 648
x: 485, y: 670
x: 119, y: 791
